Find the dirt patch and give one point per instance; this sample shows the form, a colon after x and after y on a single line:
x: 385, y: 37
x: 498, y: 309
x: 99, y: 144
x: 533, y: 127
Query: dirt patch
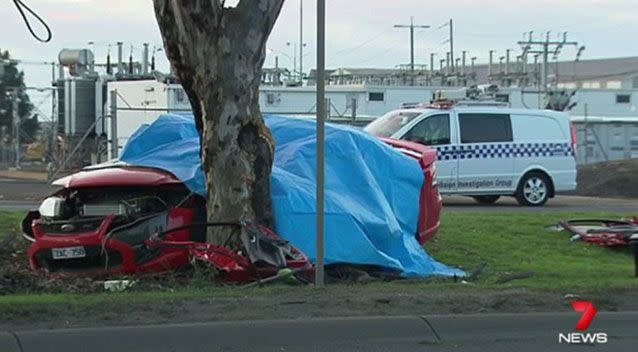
x: 617, y: 178
x: 25, y: 175
x: 16, y: 276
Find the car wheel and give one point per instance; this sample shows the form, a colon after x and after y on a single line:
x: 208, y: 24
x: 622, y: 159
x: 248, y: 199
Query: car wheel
x: 486, y: 199
x: 533, y: 190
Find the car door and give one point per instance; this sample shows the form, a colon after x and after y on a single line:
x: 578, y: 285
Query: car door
x: 486, y: 158
x: 435, y: 131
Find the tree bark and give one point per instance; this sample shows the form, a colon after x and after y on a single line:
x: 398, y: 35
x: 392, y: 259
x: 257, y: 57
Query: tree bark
x: 217, y: 53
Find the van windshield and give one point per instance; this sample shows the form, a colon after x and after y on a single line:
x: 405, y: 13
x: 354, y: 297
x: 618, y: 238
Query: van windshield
x: 390, y: 123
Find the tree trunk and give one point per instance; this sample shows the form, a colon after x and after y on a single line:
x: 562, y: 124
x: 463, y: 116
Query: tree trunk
x: 217, y: 53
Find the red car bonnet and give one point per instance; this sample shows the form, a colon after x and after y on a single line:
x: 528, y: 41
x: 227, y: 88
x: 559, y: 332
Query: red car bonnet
x: 117, y: 176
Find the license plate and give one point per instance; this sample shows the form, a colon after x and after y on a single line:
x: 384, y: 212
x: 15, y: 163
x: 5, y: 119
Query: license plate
x: 68, y: 252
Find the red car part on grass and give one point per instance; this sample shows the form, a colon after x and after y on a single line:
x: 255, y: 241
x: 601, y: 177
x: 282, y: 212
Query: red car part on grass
x: 602, y: 232
x: 232, y: 266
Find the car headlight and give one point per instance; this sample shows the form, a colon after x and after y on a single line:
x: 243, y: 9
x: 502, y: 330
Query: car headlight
x: 52, y: 207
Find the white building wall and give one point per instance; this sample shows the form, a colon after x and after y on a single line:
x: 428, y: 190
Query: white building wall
x: 602, y: 102
x: 137, y: 102
x: 144, y: 96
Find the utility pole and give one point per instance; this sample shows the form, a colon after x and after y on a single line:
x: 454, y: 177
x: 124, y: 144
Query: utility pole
x: 544, y: 67
x: 490, y: 71
x: 55, y: 117
x: 301, y: 45
x: 411, y: 26
x: 432, y: 64
x: 16, y: 125
x: 452, y: 44
x: 114, y: 147
x: 450, y: 40
x: 543, y: 47
x: 463, y: 56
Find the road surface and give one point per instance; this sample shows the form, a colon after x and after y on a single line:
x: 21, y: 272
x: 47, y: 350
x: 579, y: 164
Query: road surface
x: 559, y: 203
x: 19, y: 195
x: 495, y: 332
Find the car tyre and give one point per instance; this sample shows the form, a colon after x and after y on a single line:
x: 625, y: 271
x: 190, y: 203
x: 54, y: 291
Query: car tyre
x: 491, y: 199
x: 533, y: 190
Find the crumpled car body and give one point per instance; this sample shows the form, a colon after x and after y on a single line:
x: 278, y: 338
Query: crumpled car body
x: 111, y: 233
x: 111, y: 221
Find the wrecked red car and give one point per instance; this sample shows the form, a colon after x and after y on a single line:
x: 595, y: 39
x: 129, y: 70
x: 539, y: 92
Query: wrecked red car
x: 124, y: 220
x: 429, y: 199
x: 100, y: 219
x: 107, y: 221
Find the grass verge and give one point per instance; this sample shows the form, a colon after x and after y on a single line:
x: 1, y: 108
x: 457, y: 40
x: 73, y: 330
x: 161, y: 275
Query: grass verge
x: 517, y: 244
x: 10, y: 222
x: 507, y: 243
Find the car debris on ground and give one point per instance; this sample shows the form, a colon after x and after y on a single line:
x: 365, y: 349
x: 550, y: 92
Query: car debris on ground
x: 602, y: 232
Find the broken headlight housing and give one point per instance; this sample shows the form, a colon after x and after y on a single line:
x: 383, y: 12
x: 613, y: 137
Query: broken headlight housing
x: 53, y: 207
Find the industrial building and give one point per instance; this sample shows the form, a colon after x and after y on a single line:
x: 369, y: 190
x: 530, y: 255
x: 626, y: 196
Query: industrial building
x: 100, y: 105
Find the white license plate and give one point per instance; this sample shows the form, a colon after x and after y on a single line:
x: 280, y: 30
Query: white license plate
x: 68, y: 252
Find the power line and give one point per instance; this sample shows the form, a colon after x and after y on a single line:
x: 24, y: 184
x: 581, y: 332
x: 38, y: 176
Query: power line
x: 363, y: 44
x: 544, y: 47
x: 411, y: 26
x: 21, y: 6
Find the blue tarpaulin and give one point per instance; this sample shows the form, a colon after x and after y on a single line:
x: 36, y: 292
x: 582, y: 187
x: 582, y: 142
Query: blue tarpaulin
x: 372, y: 190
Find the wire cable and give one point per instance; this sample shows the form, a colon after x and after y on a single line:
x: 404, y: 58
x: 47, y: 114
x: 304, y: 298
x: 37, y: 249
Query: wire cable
x: 21, y: 6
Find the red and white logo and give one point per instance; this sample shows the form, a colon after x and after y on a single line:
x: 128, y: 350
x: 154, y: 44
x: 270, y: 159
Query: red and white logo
x: 588, y: 312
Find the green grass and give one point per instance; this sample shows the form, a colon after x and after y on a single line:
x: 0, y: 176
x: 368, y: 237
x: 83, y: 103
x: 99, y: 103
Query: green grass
x: 10, y: 222
x: 506, y: 242
x: 518, y: 242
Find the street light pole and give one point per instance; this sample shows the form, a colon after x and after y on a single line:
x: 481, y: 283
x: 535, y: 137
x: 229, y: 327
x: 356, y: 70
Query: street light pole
x: 321, y: 114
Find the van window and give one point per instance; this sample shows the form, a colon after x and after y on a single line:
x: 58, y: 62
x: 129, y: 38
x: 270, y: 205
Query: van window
x: 485, y: 128
x: 433, y: 130
x: 390, y: 123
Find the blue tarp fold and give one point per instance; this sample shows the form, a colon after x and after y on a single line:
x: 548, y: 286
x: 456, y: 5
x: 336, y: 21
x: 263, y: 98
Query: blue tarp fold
x: 372, y: 191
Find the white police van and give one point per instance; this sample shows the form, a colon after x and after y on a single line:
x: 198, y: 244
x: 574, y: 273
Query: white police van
x: 488, y: 151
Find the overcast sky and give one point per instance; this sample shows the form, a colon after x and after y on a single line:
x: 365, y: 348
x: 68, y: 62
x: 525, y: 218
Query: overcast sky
x: 360, y: 32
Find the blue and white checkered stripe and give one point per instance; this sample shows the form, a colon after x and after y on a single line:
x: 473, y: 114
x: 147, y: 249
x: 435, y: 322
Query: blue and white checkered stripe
x: 503, y: 150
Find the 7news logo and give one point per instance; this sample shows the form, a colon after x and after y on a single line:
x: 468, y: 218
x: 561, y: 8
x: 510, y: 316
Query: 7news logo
x: 584, y: 336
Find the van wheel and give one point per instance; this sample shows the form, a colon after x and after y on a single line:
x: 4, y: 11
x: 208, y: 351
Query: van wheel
x: 533, y: 190
x: 486, y: 199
